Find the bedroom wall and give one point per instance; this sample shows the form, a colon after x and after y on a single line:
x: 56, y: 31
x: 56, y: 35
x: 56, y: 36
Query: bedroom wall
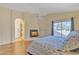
x: 7, y: 19
x: 4, y: 25
x: 31, y: 22
x: 43, y: 24
x: 43, y: 27
x: 14, y: 16
x: 7, y: 24
x: 59, y: 16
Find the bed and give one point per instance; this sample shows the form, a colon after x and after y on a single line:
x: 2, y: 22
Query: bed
x: 54, y: 45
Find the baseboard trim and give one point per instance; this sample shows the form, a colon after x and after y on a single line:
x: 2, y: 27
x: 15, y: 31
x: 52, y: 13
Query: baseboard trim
x: 7, y: 43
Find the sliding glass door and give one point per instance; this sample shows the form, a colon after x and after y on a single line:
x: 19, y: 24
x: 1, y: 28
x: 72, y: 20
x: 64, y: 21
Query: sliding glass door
x: 57, y: 29
x: 62, y: 28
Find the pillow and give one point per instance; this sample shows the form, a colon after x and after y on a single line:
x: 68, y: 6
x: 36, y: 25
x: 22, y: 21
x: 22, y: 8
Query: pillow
x: 77, y: 34
x: 71, y: 34
x: 72, y: 41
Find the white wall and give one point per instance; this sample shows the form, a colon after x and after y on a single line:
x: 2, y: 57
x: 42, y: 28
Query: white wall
x: 31, y: 22
x: 14, y: 16
x: 5, y: 32
x: 8, y: 17
x: 7, y: 24
x: 47, y: 23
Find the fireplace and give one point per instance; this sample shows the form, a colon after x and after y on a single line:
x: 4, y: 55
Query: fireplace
x: 33, y: 33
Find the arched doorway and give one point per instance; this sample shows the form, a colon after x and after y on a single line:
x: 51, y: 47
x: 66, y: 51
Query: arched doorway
x: 19, y: 36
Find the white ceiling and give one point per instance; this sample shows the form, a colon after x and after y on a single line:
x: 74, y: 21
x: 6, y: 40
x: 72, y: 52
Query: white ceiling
x: 42, y: 8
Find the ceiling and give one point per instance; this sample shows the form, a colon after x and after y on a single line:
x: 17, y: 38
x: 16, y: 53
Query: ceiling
x: 42, y: 8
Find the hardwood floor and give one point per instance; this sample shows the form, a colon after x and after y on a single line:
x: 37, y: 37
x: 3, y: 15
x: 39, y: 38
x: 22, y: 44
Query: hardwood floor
x: 8, y: 49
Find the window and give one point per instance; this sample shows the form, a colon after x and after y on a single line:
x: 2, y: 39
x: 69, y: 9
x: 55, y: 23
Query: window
x: 62, y: 28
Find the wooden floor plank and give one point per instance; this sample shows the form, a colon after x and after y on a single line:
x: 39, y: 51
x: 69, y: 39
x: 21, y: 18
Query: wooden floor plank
x: 8, y: 49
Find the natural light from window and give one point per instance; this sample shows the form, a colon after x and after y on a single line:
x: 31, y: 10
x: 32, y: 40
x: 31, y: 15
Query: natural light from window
x: 62, y: 28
